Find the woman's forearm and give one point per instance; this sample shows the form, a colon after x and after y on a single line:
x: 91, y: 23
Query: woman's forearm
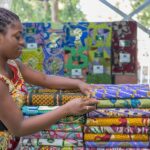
x: 61, y: 82
x: 40, y: 122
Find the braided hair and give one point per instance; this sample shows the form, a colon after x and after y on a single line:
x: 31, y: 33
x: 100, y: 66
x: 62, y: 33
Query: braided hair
x: 7, y: 18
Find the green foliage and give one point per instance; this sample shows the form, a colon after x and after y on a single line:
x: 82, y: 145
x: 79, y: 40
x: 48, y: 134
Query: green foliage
x: 144, y: 15
x: 40, y: 10
x: 30, y: 10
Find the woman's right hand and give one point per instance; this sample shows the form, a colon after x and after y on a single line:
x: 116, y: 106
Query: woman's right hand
x: 80, y: 106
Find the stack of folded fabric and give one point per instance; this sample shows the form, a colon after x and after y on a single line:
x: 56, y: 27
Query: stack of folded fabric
x: 66, y: 134
x: 122, y: 118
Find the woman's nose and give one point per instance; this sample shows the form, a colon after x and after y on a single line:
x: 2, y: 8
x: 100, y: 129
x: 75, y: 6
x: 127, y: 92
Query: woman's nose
x: 22, y: 42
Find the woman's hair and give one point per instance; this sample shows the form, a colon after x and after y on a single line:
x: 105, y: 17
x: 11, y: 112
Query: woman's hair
x: 7, y: 18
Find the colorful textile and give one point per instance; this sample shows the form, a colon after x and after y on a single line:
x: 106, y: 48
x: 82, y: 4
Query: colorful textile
x: 114, y: 93
x: 124, y: 47
x: 51, y: 142
x: 36, y: 110
x: 116, y: 148
x: 117, y: 129
x: 32, y: 54
x: 141, y: 122
x: 118, y: 112
x: 132, y: 144
x: 124, y: 103
x: 44, y: 90
x: 51, y: 99
x: 115, y: 137
x: 49, y: 148
x: 41, y: 142
x: 53, y: 50
x: 49, y: 134
x: 66, y: 127
x: 99, y: 45
x: 74, y: 143
x: 76, y: 62
x: 18, y: 92
x: 75, y: 50
x: 70, y: 119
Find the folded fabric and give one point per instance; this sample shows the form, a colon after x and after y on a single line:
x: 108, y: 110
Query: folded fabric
x: 122, y: 91
x: 140, y: 122
x: 44, y: 90
x: 51, y: 99
x: 51, y: 142
x: 124, y: 103
x: 117, y: 129
x: 66, y: 127
x: 49, y: 148
x: 70, y: 119
x: 56, y: 135
x: 36, y: 110
x: 91, y: 148
x: 115, y: 137
x: 118, y: 112
x: 74, y: 143
x: 133, y: 144
x: 41, y: 142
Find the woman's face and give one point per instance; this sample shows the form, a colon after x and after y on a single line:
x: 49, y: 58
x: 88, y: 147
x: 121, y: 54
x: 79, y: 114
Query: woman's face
x: 12, y: 42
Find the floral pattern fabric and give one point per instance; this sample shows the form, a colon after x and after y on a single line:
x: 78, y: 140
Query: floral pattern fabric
x: 18, y: 91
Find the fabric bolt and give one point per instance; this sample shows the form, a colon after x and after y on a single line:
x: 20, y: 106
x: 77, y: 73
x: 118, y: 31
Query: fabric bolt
x: 51, y: 142
x: 120, y: 93
x: 49, y: 134
x: 116, y: 148
x: 44, y: 90
x: 49, y: 148
x: 70, y: 119
x: 124, y: 45
x: 117, y: 130
x: 74, y: 143
x: 75, y: 50
x: 51, y: 99
x: 140, y: 122
x: 32, y: 54
x: 66, y: 127
x: 110, y: 144
x: 53, y: 50
x: 18, y: 91
x: 36, y: 110
x: 124, y: 103
x: 115, y: 137
x: 118, y: 112
x: 41, y: 142
x: 99, y: 43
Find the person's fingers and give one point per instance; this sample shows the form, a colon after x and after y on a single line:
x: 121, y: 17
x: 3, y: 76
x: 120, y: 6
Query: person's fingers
x: 91, y: 101
x: 90, y: 108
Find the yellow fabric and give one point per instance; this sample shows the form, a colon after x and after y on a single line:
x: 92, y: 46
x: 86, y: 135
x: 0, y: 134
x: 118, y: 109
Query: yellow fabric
x: 115, y: 137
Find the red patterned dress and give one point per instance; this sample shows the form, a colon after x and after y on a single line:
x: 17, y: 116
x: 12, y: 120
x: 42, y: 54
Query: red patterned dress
x: 18, y: 91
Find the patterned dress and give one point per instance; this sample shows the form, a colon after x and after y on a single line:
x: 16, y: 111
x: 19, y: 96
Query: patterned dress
x: 18, y: 92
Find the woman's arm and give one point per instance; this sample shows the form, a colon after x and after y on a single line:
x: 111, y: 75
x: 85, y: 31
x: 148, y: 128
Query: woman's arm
x: 13, y: 119
x: 39, y: 78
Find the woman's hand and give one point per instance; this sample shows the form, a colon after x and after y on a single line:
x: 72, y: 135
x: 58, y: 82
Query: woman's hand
x: 80, y: 106
x: 85, y: 88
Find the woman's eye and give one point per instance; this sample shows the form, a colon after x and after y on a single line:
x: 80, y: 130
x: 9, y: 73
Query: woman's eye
x: 17, y: 37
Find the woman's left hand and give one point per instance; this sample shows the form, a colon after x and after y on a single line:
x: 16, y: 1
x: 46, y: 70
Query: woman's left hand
x: 85, y: 88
